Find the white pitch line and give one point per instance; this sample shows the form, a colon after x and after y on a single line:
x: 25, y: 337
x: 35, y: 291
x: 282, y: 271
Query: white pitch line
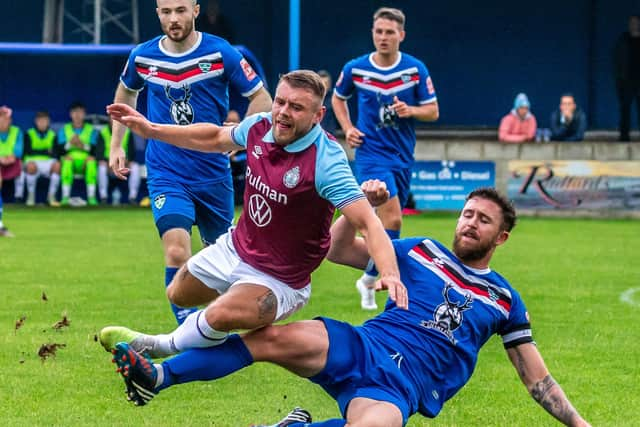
x: 627, y: 296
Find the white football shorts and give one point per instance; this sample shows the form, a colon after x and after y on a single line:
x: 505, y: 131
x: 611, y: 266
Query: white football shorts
x: 43, y: 166
x: 219, y: 267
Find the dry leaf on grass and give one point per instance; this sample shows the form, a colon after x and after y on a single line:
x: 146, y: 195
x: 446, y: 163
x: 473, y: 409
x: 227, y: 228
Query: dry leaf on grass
x: 65, y: 322
x: 49, y: 350
x: 19, y: 323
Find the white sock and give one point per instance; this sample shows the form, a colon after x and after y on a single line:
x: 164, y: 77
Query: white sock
x: 53, y: 185
x: 103, y: 180
x: 368, y: 279
x: 31, y: 184
x: 134, y: 180
x: 19, y: 186
x: 160, y: 372
x: 194, y: 332
x: 66, y: 191
x: 91, y: 190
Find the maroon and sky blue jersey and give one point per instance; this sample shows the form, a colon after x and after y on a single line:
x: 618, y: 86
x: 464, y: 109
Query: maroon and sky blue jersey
x: 290, y: 196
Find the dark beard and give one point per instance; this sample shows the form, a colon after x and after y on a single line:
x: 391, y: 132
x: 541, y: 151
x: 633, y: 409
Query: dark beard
x: 187, y: 30
x: 467, y: 255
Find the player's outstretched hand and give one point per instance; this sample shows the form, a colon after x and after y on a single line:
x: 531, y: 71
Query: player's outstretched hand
x: 132, y: 119
x: 376, y: 191
x: 397, y: 291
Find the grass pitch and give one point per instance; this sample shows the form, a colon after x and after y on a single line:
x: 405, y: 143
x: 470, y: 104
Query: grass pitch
x: 105, y: 266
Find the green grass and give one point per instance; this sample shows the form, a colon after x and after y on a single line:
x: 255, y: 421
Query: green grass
x: 104, y: 267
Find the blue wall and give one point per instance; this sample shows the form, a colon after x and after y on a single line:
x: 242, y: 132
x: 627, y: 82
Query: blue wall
x: 479, y: 56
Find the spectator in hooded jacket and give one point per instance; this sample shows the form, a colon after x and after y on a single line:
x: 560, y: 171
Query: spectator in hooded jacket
x: 520, y: 124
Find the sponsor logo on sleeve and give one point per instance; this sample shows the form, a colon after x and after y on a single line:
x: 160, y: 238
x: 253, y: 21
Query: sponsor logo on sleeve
x: 430, y: 87
x: 248, y: 70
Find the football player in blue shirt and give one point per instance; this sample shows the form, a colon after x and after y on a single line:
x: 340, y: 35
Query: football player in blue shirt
x: 394, y: 90
x: 187, y: 74
x: 402, y: 361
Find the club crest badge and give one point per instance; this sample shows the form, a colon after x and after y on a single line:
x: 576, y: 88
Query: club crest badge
x: 292, y: 177
x: 205, y: 67
x: 159, y: 200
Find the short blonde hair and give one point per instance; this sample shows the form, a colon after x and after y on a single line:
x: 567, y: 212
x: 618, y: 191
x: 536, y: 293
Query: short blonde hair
x: 305, y: 79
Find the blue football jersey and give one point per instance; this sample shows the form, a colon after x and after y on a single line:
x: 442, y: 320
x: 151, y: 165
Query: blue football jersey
x: 185, y: 88
x: 453, y: 311
x: 389, y: 140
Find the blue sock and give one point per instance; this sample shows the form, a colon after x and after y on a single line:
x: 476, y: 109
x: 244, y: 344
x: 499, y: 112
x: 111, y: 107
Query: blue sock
x: 180, y: 312
x: 335, y: 422
x: 371, y: 267
x: 205, y: 364
x: 0, y: 203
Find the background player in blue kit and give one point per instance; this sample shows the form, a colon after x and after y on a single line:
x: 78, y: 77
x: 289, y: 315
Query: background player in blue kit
x: 394, y: 89
x: 401, y: 361
x: 187, y: 74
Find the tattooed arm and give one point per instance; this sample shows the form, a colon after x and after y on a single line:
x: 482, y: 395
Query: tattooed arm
x: 543, y: 388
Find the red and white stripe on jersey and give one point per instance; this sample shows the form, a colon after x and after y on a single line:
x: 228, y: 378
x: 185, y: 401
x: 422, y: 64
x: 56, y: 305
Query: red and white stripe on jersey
x: 385, y: 84
x: 430, y: 256
x: 181, y: 73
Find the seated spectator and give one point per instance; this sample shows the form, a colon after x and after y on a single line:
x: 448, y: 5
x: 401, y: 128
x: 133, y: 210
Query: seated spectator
x: 77, y: 141
x: 41, y: 159
x: 520, y: 124
x: 105, y: 176
x: 568, y: 122
x: 10, y: 153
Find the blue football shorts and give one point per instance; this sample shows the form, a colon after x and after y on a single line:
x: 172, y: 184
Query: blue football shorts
x: 358, y: 367
x: 398, y: 180
x: 209, y: 206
